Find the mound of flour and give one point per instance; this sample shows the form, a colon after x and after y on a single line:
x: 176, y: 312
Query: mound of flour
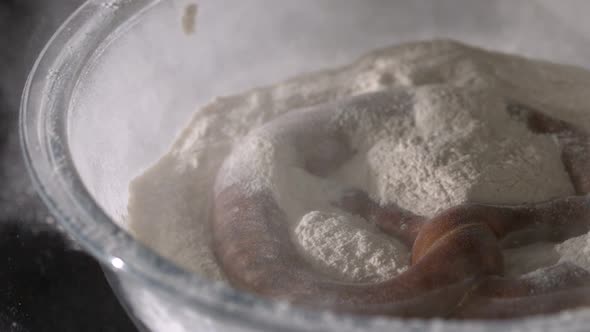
x: 455, y: 143
x: 352, y: 251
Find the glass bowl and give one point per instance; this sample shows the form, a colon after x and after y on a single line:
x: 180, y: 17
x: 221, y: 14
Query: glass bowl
x: 120, y: 78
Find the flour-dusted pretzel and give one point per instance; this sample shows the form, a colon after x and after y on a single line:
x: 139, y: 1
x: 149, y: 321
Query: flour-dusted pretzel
x: 457, y: 264
x: 552, y: 289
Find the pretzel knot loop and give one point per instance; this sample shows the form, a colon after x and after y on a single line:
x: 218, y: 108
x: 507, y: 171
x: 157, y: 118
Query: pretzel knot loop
x: 457, y: 267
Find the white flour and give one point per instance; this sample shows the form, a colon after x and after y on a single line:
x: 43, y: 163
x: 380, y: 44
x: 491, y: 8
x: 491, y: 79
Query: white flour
x: 456, y: 143
x: 352, y: 251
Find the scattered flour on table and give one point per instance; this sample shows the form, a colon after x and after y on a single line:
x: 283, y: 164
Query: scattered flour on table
x: 456, y: 143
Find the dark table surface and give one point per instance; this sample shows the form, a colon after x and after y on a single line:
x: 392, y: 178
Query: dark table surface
x: 46, y: 282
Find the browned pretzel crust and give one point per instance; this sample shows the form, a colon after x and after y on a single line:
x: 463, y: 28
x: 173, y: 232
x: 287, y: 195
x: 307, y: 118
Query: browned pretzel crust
x: 457, y: 265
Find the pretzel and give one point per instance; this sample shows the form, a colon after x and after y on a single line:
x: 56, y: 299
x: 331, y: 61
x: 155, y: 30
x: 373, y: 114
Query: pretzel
x: 456, y: 268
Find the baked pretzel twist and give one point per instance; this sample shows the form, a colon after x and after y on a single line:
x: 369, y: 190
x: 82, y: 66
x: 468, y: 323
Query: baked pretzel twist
x: 456, y: 265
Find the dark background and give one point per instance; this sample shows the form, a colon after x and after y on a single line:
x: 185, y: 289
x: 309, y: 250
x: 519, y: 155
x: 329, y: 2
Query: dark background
x: 46, y: 282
